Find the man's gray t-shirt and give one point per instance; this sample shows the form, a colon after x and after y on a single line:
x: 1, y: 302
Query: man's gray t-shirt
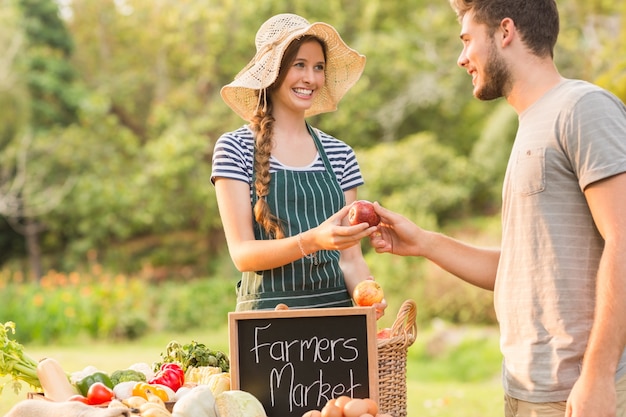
x: 545, y: 287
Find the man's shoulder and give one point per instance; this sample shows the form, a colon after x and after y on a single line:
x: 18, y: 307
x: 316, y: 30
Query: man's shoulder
x: 581, y: 88
x: 579, y: 95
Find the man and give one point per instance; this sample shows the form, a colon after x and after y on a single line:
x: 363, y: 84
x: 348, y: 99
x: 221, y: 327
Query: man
x: 560, y: 274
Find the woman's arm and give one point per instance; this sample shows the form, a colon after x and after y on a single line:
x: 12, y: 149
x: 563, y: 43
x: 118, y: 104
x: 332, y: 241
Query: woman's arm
x: 249, y: 254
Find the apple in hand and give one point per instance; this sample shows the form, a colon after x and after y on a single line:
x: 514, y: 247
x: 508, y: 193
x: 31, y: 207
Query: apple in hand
x: 368, y: 293
x: 362, y: 211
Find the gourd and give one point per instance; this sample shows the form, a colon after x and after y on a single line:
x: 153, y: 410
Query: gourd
x: 199, y: 402
x: 219, y: 383
x: 237, y: 403
x: 54, y: 381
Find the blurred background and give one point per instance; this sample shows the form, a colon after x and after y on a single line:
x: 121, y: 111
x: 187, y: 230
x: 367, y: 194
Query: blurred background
x: 109, y: 110
x: 110, y: 239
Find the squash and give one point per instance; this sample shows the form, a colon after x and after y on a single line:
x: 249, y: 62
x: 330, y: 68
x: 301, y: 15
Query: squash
x: 199, y: 402
x: 54, y: 381
x: 237, y: 403
x: 219, y: 383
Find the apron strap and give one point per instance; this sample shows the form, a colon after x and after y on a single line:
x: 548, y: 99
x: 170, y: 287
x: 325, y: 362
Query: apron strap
x: 320, y: 151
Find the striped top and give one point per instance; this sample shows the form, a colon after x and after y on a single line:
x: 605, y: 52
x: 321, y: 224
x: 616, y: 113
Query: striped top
x: 545, y: 286
x: 302, y: 198
x: 233, y: 158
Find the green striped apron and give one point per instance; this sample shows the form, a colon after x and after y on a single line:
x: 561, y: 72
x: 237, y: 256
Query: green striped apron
x: 302, y: 200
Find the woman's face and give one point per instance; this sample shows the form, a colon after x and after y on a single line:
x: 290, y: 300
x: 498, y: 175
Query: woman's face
x: 305, y: 77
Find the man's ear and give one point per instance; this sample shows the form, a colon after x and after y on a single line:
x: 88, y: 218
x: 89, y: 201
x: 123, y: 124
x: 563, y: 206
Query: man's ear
x: 507, y: 31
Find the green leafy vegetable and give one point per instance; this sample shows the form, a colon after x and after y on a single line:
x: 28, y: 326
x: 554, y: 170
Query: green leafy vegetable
x: 126, y: 375
x: 15, y: 362
x: 193, y: 354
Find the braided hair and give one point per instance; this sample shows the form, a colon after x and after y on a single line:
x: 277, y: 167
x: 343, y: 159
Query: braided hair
x: 262, y: 124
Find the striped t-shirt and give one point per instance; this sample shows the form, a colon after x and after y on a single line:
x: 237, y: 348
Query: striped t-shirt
x: 233, y: 158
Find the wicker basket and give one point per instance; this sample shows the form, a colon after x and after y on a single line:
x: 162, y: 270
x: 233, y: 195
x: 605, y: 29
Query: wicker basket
x: 392, y: 354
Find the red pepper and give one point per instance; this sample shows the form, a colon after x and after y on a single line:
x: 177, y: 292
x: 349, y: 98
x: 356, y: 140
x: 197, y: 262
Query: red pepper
x: 80, y: 398
x: 171, y: 375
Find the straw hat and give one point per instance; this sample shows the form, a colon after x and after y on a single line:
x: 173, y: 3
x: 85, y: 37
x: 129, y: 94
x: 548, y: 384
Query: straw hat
x: 344, y: 65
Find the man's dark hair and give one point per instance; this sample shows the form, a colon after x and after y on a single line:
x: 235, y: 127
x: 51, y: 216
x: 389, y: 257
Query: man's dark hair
x: 536, y: 20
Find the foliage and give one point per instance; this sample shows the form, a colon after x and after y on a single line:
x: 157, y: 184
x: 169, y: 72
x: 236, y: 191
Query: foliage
x: 100, y: 305
x: 489, y: 157
x: 42, y: 82
x: 97, y: 305
x: 130, y: 169
x: 438, y: 294
x: 446, y: 352
x: 434, y: 181
x: 48, y: 72
x: 192, y: 355
x: 14, y: 361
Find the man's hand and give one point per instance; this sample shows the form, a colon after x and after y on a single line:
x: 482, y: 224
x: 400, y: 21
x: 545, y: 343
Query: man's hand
x: 592, y: 397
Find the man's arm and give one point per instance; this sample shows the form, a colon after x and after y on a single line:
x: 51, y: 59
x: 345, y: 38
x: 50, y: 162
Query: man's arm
x: 594, y: 393
x: 400, y: 236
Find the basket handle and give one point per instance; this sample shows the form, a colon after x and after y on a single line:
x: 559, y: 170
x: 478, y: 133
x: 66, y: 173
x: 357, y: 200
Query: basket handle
x: 405, y: 324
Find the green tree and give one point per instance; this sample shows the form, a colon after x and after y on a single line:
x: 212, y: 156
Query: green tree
x: 139, y: 144
x: 49, y: 75
x: 32, y: 183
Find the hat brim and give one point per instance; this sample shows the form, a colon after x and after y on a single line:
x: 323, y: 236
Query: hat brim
x: 344, y: 67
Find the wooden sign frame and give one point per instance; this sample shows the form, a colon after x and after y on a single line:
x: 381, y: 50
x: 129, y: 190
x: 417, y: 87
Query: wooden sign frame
x: 332, y: 350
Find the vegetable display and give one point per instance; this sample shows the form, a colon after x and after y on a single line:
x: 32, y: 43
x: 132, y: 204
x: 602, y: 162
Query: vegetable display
x: 127, y: 375
x: 238, y: 403
x: 54, y: 381
x: 144, y: 368
x: 99, y: 393
x: 160, y: 390
x: 144, y: 390
x: 14, y: 362
x: 199, y: 402
x: 192, y: 354
x: 84, y: 384
x: 171, y: 375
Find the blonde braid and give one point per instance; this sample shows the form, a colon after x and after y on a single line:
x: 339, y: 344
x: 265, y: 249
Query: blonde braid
x: 262, y: 124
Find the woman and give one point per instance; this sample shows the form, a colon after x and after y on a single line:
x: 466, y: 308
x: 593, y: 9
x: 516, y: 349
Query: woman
x: 284, y: 188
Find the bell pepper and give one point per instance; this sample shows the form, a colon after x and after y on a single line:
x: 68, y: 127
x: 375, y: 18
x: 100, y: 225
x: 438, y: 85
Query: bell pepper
x: 171, y: 375
x: 84, y: 384
x: 79, y: 398
x: 141, y: 390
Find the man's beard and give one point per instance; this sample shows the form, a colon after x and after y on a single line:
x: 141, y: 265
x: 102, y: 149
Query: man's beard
x: 497, y: 78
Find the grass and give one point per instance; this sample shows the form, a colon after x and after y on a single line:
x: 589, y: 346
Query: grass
x: 454, y: 371
x: 451, y: 371
x: 454, y: 399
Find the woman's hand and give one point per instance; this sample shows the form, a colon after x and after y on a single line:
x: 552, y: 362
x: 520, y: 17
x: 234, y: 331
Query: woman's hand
x: 336, y: 234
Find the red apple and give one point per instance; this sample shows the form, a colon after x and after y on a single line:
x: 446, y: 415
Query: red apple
x: 367, y: 293
x: 384, y: 333
x: 362, y: 211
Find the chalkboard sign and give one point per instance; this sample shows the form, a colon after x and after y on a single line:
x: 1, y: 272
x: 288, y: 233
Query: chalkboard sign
x: 294, y: 361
